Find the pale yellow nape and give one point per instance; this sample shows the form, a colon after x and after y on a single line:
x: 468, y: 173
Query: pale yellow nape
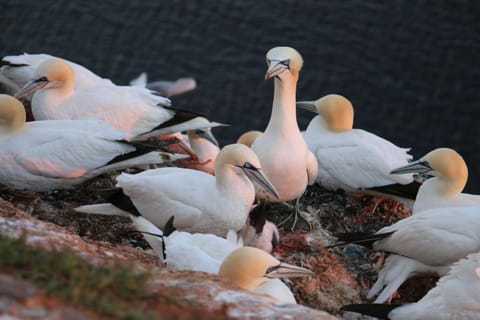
x: 246, y: 266
x: 12, y: 114
x: 337, y: 111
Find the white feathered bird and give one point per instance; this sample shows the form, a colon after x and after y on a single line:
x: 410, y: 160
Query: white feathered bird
x: 200, y: 202
x: 456, y: 296
x: 48, y: 155
x: 138, y: 112
x: 350, y: 159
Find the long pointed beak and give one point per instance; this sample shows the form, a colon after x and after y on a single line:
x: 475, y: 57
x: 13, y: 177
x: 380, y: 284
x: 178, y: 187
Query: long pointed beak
x: 31, y: 87
x: 307, y: 105
x: 207, y: 134
x: 414, y: 167
x: 285, y: 270
x: 258, y: 178
x: 274, y: 70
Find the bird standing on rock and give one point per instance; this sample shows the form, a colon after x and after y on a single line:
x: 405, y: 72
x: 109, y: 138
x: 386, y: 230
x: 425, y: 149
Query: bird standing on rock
x: 282, y: 151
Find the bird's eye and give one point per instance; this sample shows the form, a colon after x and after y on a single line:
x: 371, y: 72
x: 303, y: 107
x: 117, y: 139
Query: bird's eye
x: 42, y: 79
x: 248, y: 165
x: 285, y: 62
x: 425, y: 164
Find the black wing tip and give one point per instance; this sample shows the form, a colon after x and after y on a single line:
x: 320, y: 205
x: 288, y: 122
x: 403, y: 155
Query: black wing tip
x: 360, y: 238
x: 119, y: 199
x: 10, y: 64
x: 378, y: 310
x: 408, y: 191
x: 169, y: 227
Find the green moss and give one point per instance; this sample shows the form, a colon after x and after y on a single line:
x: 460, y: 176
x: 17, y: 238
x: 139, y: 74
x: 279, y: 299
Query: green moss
x: 114, y: 292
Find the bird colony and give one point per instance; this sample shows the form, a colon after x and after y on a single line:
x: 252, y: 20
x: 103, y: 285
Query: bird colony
x: 201, y: 207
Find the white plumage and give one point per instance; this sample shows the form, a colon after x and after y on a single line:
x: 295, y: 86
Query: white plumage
x: 47, y: 155
x: 456, y: 296
x: 426, y: 242
x: 18, y: 70
x: 350, y: 159
x: 199, y: 201
x: 133, y: 110
x: 283, y: 153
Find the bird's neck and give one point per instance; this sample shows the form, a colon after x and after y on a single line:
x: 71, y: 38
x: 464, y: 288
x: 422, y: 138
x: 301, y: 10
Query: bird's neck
x: 440, y: 187
x: 284, y: 116
x: 230, y: 180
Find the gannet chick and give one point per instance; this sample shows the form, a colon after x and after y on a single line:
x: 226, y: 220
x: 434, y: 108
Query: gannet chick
x: 259, y: 232
x: 433, y: 238
x: 200, y: 202
x: 16, y: 71
x: 164, y: 87
x: 444, y: 189
x: 48, y: 155
x: 456, y: 296
x: 138, y: 112
x: 248, y: 138
x: 350, y: 159
x: 255, y: 270
x: 282, y: 151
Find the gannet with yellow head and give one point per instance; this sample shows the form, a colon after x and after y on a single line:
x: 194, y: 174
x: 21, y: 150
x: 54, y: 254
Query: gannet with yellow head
x: 138, y: 112
x: 199, y: 201
x: 350, y: 159
x: 255, y: 270
x: 48, y: 155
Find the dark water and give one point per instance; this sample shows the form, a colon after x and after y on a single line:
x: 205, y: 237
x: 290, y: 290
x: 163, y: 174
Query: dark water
x: 409, y: 67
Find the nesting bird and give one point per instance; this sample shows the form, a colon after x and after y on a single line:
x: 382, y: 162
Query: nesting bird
x: 350, y: 159
x: 283, y: 153
x: 444, y: 189
x: 255, y: 270
x: 431, y: 240
x: 199, y: 201
x: 456, y: 296
x: 47, y: 155
x: 138, y: 112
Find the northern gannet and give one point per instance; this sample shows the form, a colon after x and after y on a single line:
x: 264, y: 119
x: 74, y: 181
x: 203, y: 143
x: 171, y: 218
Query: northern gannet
x: 350, y: 159
x: 138, y: 112
x: 432, y: 240
x: 164, y: 87
x: 255, y: 270
x: 47, y: 155
x: 444, y: 189
x: 200, y: 202
x: 456, y: 296
x: 17, y: 71
x: 282, y: 151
